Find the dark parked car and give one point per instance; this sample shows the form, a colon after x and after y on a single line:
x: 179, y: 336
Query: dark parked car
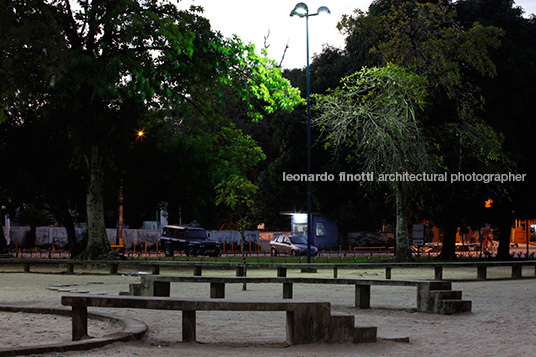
x: 190, y: 240
x: 292, y: 245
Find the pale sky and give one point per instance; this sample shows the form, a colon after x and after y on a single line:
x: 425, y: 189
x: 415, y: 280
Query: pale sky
x: 252, y: 20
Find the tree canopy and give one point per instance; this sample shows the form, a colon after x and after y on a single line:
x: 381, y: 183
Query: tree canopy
x: 101, y: 67
x: 457, y: 52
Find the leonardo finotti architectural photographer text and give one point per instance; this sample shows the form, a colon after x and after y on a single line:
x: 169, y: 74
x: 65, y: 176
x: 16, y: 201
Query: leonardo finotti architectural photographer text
x: 405, y: 177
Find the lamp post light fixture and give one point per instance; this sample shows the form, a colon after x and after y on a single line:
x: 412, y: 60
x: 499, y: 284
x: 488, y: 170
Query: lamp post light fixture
x: 301, y: 10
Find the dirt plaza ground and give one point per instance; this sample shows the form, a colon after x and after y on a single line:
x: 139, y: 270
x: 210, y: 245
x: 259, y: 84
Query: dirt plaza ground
x: 501, y: 322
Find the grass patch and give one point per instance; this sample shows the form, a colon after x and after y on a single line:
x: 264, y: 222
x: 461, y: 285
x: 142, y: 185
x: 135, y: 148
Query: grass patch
x: 273, y: 260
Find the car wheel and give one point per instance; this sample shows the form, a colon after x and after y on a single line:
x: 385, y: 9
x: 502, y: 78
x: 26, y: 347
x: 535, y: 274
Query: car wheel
x: 168, y: 250
x: 273, y: 252
x: 190, y: 252
x: 293, y: 253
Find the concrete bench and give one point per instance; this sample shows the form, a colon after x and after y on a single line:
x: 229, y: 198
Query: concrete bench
x: 482, y: 268
x: 307, y: 321
x: 432, y: 296
x: 155, y: 266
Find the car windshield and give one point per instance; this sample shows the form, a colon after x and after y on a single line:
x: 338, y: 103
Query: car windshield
x: 298, y: 240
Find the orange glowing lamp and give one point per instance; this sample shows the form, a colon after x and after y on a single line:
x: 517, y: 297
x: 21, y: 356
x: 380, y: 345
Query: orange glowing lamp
x: 140, y: 134
x: 488, y: 203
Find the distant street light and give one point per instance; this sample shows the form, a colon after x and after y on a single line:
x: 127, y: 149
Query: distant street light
x: 301, y: 10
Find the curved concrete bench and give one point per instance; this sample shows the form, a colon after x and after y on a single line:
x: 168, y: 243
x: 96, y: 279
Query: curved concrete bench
x: 132, y: 330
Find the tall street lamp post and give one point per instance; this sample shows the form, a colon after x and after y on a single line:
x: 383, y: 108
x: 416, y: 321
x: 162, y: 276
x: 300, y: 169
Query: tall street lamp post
x: 301, y: 10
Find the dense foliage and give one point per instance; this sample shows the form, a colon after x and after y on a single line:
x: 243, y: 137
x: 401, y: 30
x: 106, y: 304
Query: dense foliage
x: 101, y: 69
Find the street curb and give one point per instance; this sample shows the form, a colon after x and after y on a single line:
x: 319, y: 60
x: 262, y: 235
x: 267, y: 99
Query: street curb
x: 132, y: 330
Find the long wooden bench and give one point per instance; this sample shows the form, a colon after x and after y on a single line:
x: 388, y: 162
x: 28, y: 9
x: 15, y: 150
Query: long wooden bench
x: 307, y: 321
x: 432, y: 296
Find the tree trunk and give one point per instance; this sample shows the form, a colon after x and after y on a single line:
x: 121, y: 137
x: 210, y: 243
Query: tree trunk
x: 63, y: 215
x: 448, y: 249
x: 505, y: 231
x: 31, y: 238
x: 403, y: 249
x: 98, y: 246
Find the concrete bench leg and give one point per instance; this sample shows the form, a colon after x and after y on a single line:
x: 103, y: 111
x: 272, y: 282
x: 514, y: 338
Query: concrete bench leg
x: 155, y: 269
x: 70, y: 268
x: 309, y: 324
x: 198, y: 270
x: 113, y: 268
x: 240, y: 271
x: 188, y: 326
x: 26, y: 267
x: 290, y: 327
x: 79, y: 323
x: 287, y: 290
x: 362, y: 296
x: 517, y: 271
x: 217, y: 290
x: 387, y: 272
x: 482, y: 273
x: 335, y: 272
x: 438, y: 273
x: 281, y: 272
x: 161, y: 288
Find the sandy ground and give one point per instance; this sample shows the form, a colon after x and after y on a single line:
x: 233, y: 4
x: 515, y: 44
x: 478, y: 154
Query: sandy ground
x: 502, y: 322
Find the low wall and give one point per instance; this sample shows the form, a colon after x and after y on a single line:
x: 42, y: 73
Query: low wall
x: 58, y: 236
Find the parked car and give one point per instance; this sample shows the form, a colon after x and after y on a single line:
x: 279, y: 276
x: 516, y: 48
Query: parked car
x: 192, y: 241
x: 291, y: 245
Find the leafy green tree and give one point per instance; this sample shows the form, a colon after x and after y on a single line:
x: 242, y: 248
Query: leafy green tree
x: 101, y: 67
x: 375, y: 112
x: 237, y: 194
x: 187, y: 165
x: 508, y: 105
x: 427, y: 38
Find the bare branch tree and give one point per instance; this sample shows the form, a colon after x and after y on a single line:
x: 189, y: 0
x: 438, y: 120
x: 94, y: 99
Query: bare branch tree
x: 373, y: 111
x: 266, y: 45
x: 284, y: 53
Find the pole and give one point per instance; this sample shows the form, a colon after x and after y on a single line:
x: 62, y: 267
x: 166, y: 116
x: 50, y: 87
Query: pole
x: 527, y: 231
x: 120, y: 223
x: 309, y: 198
